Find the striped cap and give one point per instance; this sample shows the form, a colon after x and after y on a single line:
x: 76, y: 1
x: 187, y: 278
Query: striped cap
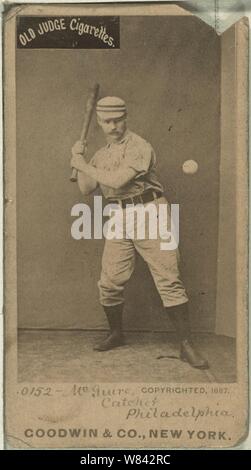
x: 110, y: 106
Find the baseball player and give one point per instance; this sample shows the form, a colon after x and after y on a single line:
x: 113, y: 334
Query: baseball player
x: 125, y: 170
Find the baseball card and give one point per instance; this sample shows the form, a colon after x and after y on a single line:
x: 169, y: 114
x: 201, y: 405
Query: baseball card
x: 126, y: 228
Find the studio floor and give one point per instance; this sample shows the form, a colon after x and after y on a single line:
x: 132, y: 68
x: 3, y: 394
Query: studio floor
x: 68, y: 356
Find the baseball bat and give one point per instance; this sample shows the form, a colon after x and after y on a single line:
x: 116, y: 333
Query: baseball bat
x: 90, y: 105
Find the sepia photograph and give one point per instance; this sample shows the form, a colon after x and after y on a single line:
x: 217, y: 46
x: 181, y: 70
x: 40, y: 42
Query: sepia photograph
x: 126, y: 227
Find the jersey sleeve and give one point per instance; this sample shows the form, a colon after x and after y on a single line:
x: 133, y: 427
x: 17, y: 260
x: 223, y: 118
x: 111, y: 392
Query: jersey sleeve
x: 93, y: 160
x: 96, y: 159
x: 139, y: 156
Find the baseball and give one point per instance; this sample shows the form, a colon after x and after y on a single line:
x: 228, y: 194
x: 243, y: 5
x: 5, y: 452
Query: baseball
x: 190, y: 167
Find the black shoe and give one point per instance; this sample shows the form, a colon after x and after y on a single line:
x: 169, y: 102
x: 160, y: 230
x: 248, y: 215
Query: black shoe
x: 190, y: 355
x: 180, y: 317
x: 114, y: 340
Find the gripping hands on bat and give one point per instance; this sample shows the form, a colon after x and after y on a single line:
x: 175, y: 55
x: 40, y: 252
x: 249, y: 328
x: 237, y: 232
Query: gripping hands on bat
x: 90, y: 105
x: 78, y: 155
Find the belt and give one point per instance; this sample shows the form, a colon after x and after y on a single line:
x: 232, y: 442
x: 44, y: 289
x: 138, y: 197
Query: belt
x: 143, y: 198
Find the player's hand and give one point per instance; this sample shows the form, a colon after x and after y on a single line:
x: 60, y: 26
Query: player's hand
x: 78, y: 151
x: 79, y: 148
x: 78, y: 162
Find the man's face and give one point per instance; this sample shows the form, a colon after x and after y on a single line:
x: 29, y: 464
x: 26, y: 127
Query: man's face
x: 113, y: 128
